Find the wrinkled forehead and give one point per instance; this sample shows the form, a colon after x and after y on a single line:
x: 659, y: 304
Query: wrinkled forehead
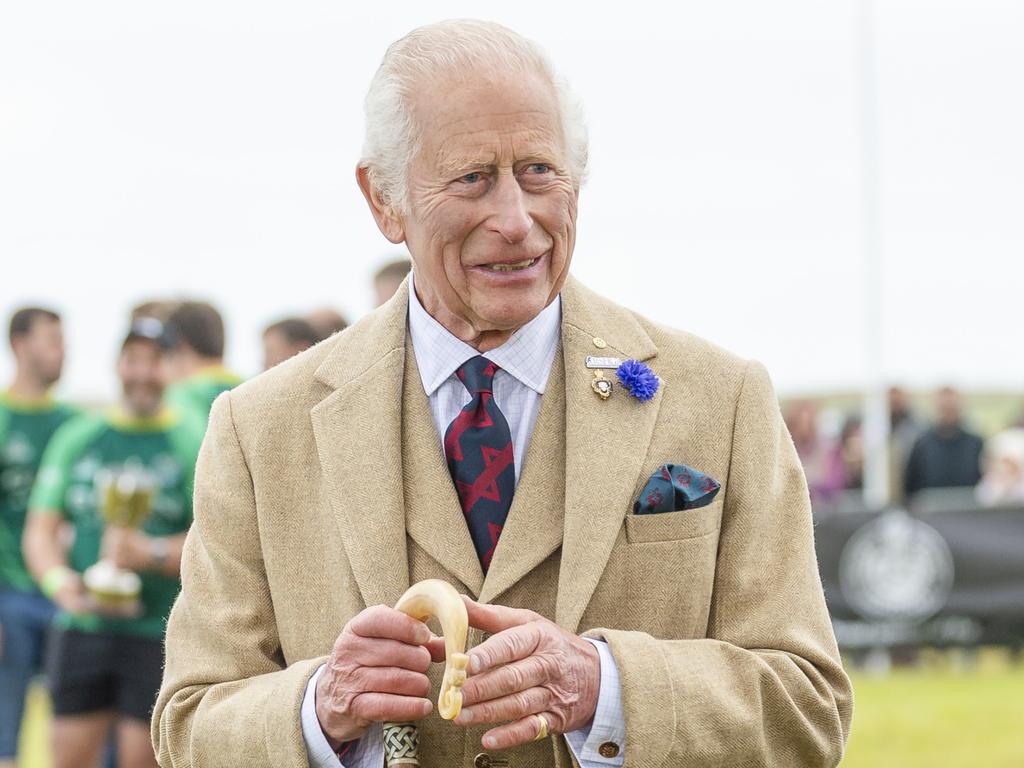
x: 485, y: 119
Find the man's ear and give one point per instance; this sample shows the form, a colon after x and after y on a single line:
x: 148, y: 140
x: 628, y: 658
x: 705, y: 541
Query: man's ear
x: 388, y: 221
x: 18, y: 347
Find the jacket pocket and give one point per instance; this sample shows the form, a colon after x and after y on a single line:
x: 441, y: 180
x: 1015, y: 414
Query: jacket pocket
x: 673, y: 526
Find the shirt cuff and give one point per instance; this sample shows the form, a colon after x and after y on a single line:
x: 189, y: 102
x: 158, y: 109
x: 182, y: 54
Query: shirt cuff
x: 366, y: 752
x: 602, y: 744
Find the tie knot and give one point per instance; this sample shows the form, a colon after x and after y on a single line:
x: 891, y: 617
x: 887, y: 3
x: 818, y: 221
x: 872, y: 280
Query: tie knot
x: 477, y: 374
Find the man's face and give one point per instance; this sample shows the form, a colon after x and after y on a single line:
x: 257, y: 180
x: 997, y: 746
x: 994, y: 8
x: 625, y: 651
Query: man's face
x: 948, y: 408
x: 277, y: 348
x: 492, y: 220
x: 897, y: 401
x: 138, y: 368
x: 41, y: 350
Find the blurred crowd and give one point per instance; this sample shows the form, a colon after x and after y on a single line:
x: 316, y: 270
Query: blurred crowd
x: 925, y: 455
x: 94, y: 508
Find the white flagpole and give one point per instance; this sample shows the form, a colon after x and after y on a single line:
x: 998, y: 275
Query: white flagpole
x: 876, y: 407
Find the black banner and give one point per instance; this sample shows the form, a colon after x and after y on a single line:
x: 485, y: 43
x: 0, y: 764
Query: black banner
x: 949, y: 577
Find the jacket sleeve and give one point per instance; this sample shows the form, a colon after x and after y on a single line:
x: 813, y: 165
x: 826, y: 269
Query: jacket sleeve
x: 766, y: 686
x: 227, y: 697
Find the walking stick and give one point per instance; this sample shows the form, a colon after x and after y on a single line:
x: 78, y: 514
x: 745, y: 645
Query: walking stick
x: 438, y: 599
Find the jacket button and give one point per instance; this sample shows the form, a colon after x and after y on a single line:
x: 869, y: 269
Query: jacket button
x: 483, y: 760
x: 608, y: 749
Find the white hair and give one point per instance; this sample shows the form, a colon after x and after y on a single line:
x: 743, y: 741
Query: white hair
x: 434, y: 51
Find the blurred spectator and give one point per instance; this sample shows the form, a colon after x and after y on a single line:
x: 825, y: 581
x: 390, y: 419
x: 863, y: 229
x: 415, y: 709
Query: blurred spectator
x: 389, y: 277
x: 28, y: 418
x: 903, y: 433
x: 824, y: 472
x: 105, y: 664
x: 946, y: 455
x: 158, y: 309
x: 327, y: 321
x: 850, y: 454
x: 286, y: 338
x: 194, y: 363
x: 1003, y: 481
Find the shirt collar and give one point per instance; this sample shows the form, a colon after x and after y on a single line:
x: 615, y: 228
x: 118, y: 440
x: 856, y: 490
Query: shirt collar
x: 526, y: 356
x: 27, y: 404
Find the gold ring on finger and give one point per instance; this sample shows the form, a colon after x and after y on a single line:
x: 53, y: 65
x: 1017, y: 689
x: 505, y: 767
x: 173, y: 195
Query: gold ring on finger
x: 542, y: 731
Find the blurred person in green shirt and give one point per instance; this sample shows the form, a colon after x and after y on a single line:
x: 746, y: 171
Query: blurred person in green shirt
x: 104, y: 667
x: 28, y: 418
x: 193, y: 338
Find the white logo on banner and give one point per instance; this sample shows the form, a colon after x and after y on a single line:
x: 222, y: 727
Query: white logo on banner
x: 896, y: 568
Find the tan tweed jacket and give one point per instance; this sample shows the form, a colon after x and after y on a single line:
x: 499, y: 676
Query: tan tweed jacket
x: 321, y: 489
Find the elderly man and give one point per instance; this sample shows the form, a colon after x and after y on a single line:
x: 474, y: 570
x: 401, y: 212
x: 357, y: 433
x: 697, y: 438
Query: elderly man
x: 473, y: 430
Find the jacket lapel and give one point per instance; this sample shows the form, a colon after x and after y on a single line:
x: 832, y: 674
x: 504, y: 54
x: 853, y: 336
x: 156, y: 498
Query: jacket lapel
x: 606, y: 443
x: 357, y: 429
x: 533, y: 529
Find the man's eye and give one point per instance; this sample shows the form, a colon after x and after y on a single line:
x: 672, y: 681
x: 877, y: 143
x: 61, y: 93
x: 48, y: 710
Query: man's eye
x: 471, y: 178
x: 538, y: 168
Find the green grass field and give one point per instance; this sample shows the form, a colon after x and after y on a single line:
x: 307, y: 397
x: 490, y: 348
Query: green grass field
x: 934, y: 717
x: 940, y: 717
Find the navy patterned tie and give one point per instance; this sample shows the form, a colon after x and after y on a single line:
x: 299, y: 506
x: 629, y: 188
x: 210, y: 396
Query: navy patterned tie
x: 478, y: 446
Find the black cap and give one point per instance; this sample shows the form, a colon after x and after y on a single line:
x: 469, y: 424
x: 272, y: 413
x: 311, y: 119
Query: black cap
x: 147, y: 328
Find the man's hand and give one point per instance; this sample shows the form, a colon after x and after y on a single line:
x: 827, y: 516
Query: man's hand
x: 127, y: 548
x: 72, y: 597
x: 529, y: 666
x: 376, y: 672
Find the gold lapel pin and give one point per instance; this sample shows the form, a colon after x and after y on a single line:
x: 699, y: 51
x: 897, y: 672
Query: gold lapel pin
x: 602, y: 387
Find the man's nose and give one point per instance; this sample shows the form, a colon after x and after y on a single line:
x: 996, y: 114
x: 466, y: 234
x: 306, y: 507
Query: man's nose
x: 510, y: 219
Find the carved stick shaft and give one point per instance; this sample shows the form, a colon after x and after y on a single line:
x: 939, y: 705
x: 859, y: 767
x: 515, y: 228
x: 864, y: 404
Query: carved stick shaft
x: 401, y: 744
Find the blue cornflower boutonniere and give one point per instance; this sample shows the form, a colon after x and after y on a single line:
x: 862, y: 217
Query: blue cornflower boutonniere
x: 638, y: 379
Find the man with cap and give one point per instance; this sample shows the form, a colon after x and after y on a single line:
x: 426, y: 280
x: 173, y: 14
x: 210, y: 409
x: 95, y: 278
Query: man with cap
x: 104, y: 664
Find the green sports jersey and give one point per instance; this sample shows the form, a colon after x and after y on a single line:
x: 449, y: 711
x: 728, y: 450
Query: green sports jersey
x: 197, y: 393
x: 165, y: 448
x: 25, y: 429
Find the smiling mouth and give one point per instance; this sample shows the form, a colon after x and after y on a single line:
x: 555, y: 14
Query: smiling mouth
x: 514, y: 266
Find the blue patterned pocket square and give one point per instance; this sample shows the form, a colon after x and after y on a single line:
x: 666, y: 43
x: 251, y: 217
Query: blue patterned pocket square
x: 674, y: 487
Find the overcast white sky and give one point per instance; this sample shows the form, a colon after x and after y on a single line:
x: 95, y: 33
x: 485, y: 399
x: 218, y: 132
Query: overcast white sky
x: 207, y: 148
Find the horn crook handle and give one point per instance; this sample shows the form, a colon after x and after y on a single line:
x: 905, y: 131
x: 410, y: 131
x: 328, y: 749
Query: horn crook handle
x: 439, y: 599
